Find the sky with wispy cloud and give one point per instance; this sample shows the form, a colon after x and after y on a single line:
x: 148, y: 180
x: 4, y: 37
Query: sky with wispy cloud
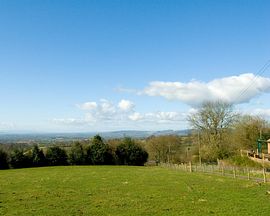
x: 89, y: 66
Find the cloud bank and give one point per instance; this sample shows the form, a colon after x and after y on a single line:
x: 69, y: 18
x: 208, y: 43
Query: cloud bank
x: 123, y: 112
x: 233, y: 89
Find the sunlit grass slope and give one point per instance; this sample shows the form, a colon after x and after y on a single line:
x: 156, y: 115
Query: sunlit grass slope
x: 122, y: 190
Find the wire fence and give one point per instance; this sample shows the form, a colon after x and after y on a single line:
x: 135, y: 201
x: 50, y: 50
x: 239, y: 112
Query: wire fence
x: 254, y: 174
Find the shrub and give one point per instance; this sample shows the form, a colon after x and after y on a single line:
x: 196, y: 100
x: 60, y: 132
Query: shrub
x: 56, y: 156
x: 244, y: 161
x: 129, y: 153
x: 3, y: 160
x: 99, y: 153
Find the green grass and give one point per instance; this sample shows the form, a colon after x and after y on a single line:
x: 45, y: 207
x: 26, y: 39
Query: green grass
x: 121, y: 190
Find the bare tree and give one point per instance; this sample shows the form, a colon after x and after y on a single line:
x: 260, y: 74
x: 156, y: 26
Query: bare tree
x: 213, y: 120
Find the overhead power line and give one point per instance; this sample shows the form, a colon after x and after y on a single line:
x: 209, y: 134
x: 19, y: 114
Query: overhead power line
x: 262, y: 70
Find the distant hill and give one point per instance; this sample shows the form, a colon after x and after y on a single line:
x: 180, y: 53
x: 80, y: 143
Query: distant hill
x: 142, y: 134
x: 52, y: 137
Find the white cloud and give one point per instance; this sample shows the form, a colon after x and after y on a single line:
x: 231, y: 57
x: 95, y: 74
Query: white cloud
x: 234, y: 89
x: 100, y: 112
x: 106, y: 107
x: 126, y: 105
x: 101, y: 109
x: 88, y: 106
x: 158, y: 117
x: 123, y: 113
x: 71, y: 121
x: 135, y: 116
x: 169, y: 116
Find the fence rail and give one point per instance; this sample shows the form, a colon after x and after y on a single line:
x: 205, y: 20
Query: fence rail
x: 260, y: 175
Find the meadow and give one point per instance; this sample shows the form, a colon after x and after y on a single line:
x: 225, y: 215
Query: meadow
x: 127, y: 190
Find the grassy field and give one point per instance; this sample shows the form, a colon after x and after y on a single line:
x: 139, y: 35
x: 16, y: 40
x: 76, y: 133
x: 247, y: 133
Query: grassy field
x: 120, y: 190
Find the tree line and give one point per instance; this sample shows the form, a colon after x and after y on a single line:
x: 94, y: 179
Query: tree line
x: 218, y: 132
x: 96, y: 152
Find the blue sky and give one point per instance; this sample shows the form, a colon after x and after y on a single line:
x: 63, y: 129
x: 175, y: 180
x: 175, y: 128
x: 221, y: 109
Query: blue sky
x: 92, y: 65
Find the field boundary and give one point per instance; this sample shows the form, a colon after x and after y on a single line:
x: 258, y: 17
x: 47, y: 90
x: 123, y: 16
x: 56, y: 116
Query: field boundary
x: 253, y: 174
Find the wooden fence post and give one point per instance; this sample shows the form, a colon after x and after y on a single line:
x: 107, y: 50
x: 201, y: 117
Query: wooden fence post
x: 263, y: 159
x: 264, y: 176
x: 223, y: 170
x: 190, y: 167
x: 234, y: 172
x: 248, y: 172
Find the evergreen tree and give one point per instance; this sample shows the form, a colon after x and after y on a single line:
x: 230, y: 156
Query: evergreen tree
x: 56, y: 156
x: 38, y: 157
x: 3, y: 160
x: 99, y: 153
x: 77, y: 155
x: 19, y: 160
